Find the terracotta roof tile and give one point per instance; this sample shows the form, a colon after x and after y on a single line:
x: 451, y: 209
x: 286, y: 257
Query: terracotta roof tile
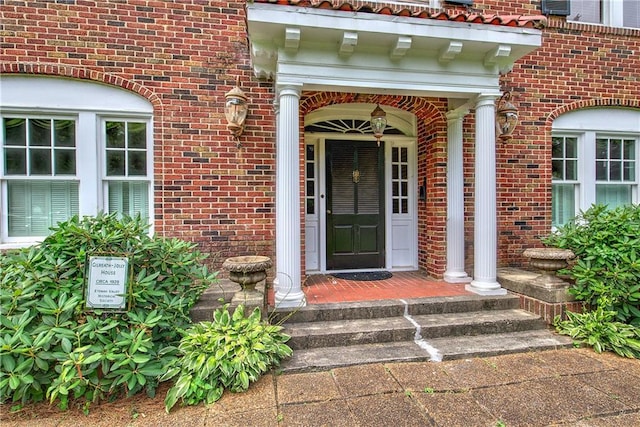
x: 415, y: 9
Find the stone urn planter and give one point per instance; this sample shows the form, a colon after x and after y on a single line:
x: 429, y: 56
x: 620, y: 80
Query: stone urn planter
x: 549, y: 261
x: 248, y: 271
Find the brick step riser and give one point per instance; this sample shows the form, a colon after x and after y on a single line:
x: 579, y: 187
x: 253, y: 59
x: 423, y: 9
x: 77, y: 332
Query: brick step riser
x: 391, y: 308
x: 306, y: 341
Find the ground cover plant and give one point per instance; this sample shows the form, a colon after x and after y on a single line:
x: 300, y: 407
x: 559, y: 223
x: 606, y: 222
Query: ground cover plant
x: 52, y: 348
x: 607, y: 278
x: 230, y: 352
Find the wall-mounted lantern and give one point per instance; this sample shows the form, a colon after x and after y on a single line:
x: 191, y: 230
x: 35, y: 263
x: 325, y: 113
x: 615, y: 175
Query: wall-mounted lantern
x: 378, y: 122
x: 235, y: 110
x: 506, y: 117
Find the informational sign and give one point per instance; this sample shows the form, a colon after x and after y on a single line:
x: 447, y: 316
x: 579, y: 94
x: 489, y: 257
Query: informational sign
x: 107, y: 282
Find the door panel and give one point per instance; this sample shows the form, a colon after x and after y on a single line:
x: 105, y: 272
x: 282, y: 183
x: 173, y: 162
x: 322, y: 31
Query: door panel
x: 355, y: 207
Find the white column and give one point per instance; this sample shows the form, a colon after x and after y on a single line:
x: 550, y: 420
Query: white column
x: 288, y: 281
x: 455, y: 199
x: 485, y: 245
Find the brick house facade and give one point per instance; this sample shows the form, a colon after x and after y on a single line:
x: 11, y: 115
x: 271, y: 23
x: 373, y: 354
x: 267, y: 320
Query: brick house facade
x: 172, y: 62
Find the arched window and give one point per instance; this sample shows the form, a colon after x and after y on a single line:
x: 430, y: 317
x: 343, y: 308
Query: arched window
x: 594, y: 160
x: 70, y: 147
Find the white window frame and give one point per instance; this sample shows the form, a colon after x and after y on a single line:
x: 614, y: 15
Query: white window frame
x: 90, y: 105
x: 588, y: 125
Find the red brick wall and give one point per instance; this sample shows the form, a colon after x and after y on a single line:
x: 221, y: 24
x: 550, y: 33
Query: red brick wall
x: 183, y: 56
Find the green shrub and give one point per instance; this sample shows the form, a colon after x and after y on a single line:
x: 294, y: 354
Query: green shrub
x: 51, y: 347
x: 607, y: 247
x: 229, y: 352
x: 599, y: 330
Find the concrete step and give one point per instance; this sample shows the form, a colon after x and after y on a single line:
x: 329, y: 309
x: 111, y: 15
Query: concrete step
x: 306, y: 335
x: 393, y: 308
x: 444, y: 348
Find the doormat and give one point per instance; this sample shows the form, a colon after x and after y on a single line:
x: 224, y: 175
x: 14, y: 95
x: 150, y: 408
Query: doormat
x: 365, y: 276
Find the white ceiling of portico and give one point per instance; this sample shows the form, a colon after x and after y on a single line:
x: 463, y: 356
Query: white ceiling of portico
x: 372, y: 53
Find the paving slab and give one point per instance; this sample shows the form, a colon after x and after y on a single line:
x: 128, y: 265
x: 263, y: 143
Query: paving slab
x: 520, y: 367
x: 335, y: 413
x: 364, y: 380
x: 418, y: 376
x: 547, y: 401
x: 384, y: 410
x: 307, y: 387
x: 620, y: 386
x: 624, y: 420
x: 577, y: 361
x: 455, y: 409
x: 260, y: 395
x: 255, y: 418
x: 475, y: 373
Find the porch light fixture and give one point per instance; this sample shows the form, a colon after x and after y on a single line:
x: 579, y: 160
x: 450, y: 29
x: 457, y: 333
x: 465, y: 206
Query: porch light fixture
x: 506, y: 117
x: 235, y: 110
x: 378, y: 122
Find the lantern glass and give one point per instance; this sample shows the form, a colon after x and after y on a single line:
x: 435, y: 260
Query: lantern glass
x: 235, y: 111
x: 378, y: 122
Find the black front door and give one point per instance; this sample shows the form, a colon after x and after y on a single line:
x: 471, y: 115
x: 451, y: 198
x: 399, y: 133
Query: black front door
x: 355, y: 205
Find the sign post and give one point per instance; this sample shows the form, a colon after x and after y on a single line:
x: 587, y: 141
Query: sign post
x: 107, y: 282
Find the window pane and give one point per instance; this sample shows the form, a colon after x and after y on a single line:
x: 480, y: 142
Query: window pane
x: 35, y: 206
x: 556, y: 148
x: 396, y: 189
x: 39, y: 161
x: 556, y: 169
x: 394, y: 172
x: 615, y: 171
x: 631, y: 13
x: 310, y: 153
x: 404, y: 174
x: 629, y: 149
x: 585, y: 11
x: 64, y: 133
x: 563, y: 203
x: 40, y: 133
x: 629, y: 171
x: 129, y: 198
x: 571, y: 148
x: 311, y: 207
x: 115, y: 163
x: 601, y: 171
x: 602, y: 151
x: 137, y: 163
x: 404, y: 188
x: 310, y: 188
x: 15, y: 132
x: 137, y: 135
x: 572, y: 170
x: 405, y: 206
x: 615, y: 147
x: 15, y: 161
x: 65, y: 162
x: 613, y: 195
x: 404, y: 155
x: 115, y: 134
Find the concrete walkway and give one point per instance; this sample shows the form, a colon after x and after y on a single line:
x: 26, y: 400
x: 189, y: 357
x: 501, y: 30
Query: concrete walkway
x: 574, y: 387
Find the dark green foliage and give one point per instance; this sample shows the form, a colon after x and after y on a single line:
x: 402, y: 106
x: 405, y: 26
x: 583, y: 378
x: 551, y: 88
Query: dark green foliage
x: 230, y: 352
x: 599, y: 330
x: 607, y: 277
x: 607, y: 247
x: 50, y: 347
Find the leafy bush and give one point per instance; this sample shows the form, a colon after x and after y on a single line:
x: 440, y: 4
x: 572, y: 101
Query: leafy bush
x: 51, y: 347
x: 229, y: 352
x: 607, y: 247
x: 599, y: 330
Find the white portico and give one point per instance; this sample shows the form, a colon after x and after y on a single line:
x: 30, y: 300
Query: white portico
x: 305, y: 49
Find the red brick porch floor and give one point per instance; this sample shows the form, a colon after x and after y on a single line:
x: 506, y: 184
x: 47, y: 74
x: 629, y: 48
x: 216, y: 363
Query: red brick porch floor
x: 324, y: 288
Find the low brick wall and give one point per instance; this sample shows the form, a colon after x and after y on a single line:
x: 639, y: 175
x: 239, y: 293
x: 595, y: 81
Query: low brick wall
x: 546, y: 303
x: 549, y: 310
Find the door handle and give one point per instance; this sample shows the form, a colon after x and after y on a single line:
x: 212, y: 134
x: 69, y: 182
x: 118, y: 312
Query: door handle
x: 328, y: 211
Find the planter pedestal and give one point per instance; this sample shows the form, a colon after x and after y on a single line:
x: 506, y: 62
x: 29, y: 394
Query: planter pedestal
x: 248, y: 271
x: 549, y: 261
